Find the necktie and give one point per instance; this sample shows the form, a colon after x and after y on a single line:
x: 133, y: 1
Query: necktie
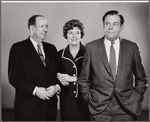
x: 113, y: 60
x: 41, y: 54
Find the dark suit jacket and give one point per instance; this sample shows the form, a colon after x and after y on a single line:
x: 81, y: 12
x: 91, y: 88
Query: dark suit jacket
x: 97, y: 84
x: 26, y: 71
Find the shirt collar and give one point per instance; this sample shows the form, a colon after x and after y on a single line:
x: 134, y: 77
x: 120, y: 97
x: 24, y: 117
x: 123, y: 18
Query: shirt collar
x: 108, y: 43
x: 35, y: 43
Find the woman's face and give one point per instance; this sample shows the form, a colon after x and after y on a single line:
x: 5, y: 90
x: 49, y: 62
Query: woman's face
x: 74, y: 36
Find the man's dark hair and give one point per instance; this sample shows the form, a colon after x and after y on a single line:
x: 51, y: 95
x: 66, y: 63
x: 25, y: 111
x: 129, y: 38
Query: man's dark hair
x: 32, y: 20
x: 114, y: 12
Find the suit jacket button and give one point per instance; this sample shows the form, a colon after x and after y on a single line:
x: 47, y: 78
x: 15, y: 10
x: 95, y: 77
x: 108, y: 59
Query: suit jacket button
x: 74, y: 75
x: 74, y: 83
x: 74, y: 91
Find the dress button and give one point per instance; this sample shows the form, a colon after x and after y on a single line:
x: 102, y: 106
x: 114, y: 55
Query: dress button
x: 74, y: 83
x: 74, y: 91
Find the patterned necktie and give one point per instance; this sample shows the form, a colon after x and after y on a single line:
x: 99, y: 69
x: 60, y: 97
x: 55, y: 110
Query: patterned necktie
x: 113, y: 60
x: 41, y: 54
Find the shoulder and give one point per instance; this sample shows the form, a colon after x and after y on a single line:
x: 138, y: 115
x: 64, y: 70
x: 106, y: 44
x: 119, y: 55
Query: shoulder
x: 19, y: 44
x: 48, y: 44
x: 60, y: 52
x: 82, y: 49
x: 49, y: 47
x: 94, y: 43
x: 129, y: 43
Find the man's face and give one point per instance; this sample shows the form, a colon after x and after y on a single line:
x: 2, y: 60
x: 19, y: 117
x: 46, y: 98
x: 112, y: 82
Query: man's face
x: 112, y: 27
x: 40, y: 29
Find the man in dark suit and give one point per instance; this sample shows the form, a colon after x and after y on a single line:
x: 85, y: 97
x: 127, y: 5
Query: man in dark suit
x: 32, y: 71
x: 113, y: 80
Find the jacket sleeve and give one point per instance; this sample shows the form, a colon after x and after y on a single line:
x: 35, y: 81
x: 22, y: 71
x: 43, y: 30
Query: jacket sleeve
x: 84, y: 77
x: 59, y: 67
x: 139, y: 72
x: 15, y: 73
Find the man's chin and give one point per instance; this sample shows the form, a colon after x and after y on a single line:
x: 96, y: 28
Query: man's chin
x: 43, y: 38
x: 111, y: 38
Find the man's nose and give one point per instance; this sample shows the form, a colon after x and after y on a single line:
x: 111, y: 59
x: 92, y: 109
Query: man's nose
x: 110, y: 27
x: 45, y: 28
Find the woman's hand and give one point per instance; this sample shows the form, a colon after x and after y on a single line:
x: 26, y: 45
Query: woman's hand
x: 66, y: 77
x: 63, y: 79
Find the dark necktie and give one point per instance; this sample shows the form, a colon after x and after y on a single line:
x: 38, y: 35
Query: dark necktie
x: 41, y: 54
x: 113, y: 60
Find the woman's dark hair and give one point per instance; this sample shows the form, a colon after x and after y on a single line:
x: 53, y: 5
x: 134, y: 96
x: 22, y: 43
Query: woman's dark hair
x: 32, y: 20
x: 114, y: 12
x: 73, y: 23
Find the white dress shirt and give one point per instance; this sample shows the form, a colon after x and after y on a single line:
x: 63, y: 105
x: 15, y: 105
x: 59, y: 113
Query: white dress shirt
x: 36, y: 47
x: 116, y: 46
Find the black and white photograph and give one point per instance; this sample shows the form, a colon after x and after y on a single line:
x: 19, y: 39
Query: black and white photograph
x: 75, y: 60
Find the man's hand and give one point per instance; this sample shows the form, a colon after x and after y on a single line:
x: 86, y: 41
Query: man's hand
x: 52, y: 90
x: 42, y: 93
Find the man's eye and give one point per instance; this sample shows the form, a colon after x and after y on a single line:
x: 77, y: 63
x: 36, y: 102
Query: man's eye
x: 115, y: 23
x: 106, y: 23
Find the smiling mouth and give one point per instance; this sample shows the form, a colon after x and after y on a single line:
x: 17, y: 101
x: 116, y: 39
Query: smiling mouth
x: 44, y: 34
x: 110, y: 32
x: 74, y: 39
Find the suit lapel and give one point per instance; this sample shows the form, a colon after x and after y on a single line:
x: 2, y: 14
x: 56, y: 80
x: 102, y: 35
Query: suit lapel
x: 102, y: 52
x: 122, y: 58
x: 33, y: 51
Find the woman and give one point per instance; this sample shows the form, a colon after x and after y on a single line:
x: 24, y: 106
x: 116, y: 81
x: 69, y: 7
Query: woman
x: 72, y: 106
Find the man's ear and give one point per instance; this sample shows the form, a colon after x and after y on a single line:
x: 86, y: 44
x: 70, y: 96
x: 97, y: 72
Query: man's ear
x: 31, y: 28
x: 103, y: 26
x: 122, y: 27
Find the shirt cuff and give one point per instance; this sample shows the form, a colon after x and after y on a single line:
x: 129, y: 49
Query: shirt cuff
x: 58, y: 92
x: 34, y: 90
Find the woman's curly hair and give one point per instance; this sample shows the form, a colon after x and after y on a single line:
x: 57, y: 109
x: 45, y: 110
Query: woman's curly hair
x: 73, y: 23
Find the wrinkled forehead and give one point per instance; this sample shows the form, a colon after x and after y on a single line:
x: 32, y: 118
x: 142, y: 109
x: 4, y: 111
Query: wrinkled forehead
x: 41, y: 20
x: 112, y: 18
